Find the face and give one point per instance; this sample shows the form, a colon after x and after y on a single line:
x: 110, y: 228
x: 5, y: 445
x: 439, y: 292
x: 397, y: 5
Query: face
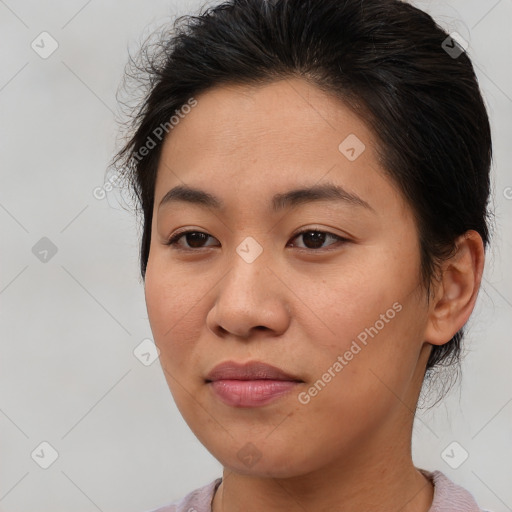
x: 323, y: 285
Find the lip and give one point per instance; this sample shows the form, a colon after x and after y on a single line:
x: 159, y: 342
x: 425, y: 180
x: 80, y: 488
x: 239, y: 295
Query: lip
x: 253, y: 384
x: 252, y: 370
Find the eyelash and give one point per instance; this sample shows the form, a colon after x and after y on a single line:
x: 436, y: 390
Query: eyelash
x: 173, y: 241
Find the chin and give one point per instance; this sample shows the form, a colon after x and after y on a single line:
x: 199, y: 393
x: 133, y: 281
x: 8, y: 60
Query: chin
x: 252, y: 462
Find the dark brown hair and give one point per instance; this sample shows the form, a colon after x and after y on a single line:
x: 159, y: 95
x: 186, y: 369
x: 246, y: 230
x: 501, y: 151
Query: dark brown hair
x: 390, y: 62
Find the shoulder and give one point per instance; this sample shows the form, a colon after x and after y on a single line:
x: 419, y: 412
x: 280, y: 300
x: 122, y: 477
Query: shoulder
x: 448, y: 496
x: 199, y: 500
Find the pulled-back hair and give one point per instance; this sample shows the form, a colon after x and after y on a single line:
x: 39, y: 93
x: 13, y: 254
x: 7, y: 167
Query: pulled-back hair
x: 385, y: 59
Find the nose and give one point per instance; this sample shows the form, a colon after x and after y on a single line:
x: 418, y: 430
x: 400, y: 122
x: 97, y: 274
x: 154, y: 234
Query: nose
x: 251, y: 297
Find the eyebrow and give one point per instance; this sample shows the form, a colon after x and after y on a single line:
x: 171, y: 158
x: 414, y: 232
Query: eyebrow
x: 290, y: 199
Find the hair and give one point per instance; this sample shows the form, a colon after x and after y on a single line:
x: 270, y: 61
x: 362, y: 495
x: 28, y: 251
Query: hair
x: 385, y: 59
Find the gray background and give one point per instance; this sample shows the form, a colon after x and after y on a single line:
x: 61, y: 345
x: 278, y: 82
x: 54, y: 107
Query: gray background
x: 68, y: 374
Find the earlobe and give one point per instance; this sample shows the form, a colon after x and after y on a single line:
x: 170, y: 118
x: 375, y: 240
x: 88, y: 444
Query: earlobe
x: 457, y: 289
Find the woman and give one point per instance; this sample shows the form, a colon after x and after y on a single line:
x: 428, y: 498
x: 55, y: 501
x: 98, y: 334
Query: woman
x: 313, y: 178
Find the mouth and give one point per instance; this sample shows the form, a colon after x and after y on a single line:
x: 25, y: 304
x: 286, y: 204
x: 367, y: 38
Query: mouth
x: 255, y: 370
x: 250, y: 385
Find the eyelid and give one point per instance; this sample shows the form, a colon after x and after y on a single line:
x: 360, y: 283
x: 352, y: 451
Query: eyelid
x: 320, y: 229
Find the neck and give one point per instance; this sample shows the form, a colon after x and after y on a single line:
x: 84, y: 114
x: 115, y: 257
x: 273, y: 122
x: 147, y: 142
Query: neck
x: 389, y: 482
x: 375, y: 475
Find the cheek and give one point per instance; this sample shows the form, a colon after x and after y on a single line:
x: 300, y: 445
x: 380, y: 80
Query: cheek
x: 172, y: 305
x: 378, y: 363
x: 173, y: 309
x: 375, y: 321
x: 344, y: 304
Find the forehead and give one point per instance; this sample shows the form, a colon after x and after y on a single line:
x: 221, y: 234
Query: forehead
x: 245, y: 140
x: 247, y: 118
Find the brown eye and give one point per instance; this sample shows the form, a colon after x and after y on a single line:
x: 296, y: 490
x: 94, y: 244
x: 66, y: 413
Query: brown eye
x: 314, y: 239
x: 194, y: 239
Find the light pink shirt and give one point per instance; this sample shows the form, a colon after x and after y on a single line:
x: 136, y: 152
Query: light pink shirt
x: 448, y: 497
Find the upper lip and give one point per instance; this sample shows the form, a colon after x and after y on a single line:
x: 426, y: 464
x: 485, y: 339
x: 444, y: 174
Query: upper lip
x: 254, y: 370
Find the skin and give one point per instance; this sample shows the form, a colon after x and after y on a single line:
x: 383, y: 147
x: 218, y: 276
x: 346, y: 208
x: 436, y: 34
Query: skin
x: 298, y: 305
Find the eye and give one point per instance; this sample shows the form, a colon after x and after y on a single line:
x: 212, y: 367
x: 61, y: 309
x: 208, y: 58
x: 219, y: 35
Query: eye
x: 196, y: 239
x: 317, y: 238
x: 193, y: 238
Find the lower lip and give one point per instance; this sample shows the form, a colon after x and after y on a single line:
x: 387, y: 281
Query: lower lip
x: 251, y: 393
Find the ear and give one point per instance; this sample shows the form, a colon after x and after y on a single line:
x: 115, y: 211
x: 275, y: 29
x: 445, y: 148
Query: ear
x: 456, y: 290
